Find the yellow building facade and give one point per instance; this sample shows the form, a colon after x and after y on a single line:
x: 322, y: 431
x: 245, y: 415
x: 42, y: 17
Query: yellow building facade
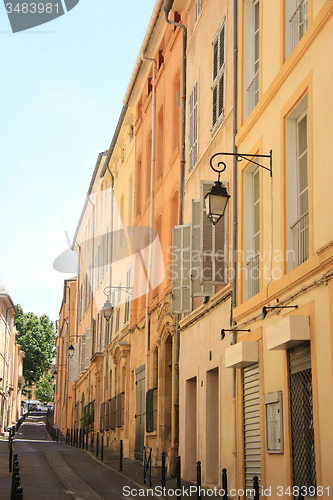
x: 284, y: 267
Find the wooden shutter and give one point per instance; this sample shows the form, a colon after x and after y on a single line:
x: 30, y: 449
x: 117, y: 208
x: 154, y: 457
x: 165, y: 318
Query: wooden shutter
x: 88, y: 348
x: 213, y: 248
x: 113, y: 405
x: 181, y: 269
x: 83, y: 354
x: 198, y: 290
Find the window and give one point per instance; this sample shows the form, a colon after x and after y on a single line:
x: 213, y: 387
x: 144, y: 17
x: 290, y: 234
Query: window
x: 127, y: 295
x: 251, y: 56
x: 197, y: 10
x: 151, y: 410
x: 120, y: 409
x: 218, y: 76
x: 296, y: 22
x: 193, y: 143
x: 118, y: 307
x: 176, y: 110
x: 251, y: 231
x: 297, y: 186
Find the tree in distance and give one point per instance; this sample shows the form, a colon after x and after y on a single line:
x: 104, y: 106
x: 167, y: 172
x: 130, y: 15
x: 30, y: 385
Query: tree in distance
x: 36, y: 338
x: 45, y: 389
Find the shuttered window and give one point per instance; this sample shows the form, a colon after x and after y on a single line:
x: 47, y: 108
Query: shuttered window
x: 181, y: 269
x: 218, y: 76
x: 151, y: 410
x: 193, y: 142
x: 120, y: 409
x: 83, y: 354
x: 198, y: 290
x: 88, y: 348
x: 127, y: 295
x: 102, y: 417
x: 252, y: 444
x: 107, y: 414
x: 213, y: 248
x: 113, y: 406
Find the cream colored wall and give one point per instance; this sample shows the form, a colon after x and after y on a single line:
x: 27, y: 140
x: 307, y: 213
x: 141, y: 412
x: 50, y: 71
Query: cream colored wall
x: 303, y: 71
x: 199, y: 342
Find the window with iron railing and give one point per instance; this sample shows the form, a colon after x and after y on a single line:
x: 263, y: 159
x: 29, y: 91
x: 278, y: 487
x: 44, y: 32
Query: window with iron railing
x: 251, y: 55
x: 298, y: 22
x: 297, y: 186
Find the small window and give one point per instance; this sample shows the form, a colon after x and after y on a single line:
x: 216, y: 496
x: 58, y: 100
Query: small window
x: 197, y: 10
x: 193, y: 143
x: 296, y: 22
x: 218, y: 77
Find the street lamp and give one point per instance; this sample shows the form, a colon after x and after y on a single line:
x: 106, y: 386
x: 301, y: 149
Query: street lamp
x: 217, y: 197
x: 71, y: 350
x: 107, y: 309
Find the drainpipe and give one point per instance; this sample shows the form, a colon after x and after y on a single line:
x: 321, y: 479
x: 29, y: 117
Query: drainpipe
x: 234, y: 189
x: 167, y: 8
x: 151, y: 221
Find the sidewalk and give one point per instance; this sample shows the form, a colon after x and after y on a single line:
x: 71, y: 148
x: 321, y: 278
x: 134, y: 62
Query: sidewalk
x: 134, y: 470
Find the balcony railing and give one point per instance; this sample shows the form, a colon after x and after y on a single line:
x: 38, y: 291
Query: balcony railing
x: 300, y: 232
x: 299, y: 22
x: 253, y: 274
x: 253, y: 92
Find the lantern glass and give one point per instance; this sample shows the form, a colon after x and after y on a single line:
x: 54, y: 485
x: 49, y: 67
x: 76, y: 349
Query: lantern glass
x: 107, y: 310
x: 71, y: 351
x: 216, y: 201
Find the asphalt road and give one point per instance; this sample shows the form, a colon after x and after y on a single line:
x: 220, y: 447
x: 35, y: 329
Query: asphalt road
x: 54, y: 471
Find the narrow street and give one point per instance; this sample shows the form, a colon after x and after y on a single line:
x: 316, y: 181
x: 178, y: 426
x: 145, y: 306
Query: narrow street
x: 50, y: 470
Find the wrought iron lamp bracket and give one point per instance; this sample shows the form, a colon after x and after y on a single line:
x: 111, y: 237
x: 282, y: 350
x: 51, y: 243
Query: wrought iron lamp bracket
x: 248, y: 157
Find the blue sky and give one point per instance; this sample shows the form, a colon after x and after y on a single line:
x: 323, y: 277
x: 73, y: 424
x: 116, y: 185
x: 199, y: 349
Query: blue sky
x: 62, y: 86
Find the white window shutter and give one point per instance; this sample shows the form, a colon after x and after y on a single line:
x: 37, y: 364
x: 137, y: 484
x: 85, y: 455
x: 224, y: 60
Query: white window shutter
x: 198, y: 290
x: 83, y: 354
x: 88, y: 348
x: 181, y: 269
x: 213, y: 248
x: 74, y: 369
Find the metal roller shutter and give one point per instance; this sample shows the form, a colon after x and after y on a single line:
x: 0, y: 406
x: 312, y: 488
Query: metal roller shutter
x: 251, y: 413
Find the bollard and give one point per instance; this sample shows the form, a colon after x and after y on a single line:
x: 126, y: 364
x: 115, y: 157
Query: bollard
x: 14, y: 476
x: 163, y: 469
x: 198, y: 480
x: 102, y: 448
x: 80, y: 438
x: 19, y: 493
x: 87, y: 440
x: 179, y: 476
x: 10, y: 454
x: 224, y: 484
x: 15, y: 472
x: 97, y: 439
x: 256, y: 488
x: 57, y: 435
x: 71, y: 437
x: 77, y: 438
x: 121, y: 456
